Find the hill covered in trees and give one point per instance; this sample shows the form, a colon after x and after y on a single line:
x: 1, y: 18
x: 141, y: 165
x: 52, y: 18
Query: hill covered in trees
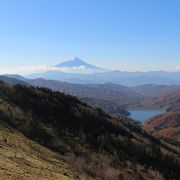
x: 166, y: 125
x: 91, y: 141
x: 108, y: 97
x: 164, y: 96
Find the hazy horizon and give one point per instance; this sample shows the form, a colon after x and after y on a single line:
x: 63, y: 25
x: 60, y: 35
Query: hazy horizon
x: 26, y: 70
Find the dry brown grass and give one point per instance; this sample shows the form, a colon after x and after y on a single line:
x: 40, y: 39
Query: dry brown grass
x: 23, y: 159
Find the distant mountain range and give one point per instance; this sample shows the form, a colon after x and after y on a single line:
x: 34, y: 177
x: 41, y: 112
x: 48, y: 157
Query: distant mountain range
x: 112, y: 98
x: 79, y: 72
x: 13, y: 79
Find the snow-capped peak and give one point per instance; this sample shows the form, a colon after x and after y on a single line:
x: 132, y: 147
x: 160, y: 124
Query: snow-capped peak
x: 78, y: 65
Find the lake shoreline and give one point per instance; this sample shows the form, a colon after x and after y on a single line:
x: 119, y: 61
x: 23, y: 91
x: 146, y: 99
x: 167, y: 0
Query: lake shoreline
x: 144, y: 114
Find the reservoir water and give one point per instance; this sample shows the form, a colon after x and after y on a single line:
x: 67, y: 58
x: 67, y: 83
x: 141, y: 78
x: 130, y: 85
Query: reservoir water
x: 144, y: 114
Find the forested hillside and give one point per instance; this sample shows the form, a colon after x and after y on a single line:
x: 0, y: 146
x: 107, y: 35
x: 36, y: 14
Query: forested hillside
x: 91, y: 141
x: 165, y: 126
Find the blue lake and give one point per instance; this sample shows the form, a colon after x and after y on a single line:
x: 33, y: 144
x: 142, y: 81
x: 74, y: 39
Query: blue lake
x: 144, y: 114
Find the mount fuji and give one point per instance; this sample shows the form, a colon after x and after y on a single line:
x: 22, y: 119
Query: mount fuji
x: 77, y: 63
x: 75, y: 67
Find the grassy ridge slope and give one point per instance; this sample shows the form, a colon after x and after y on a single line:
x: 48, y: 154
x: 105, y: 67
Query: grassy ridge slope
x: 21, y: 158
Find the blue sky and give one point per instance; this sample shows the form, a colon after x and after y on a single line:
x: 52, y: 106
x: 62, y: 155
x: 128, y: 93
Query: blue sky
x: 117, y: 34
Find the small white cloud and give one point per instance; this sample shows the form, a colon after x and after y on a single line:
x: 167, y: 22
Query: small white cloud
x: 25, y: 70
x: 39, y: 69
x: 178, y: 68
x: 75, y: 69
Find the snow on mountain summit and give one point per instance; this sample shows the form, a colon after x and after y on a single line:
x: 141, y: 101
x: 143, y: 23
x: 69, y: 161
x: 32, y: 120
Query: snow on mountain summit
x: 77, y: 63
